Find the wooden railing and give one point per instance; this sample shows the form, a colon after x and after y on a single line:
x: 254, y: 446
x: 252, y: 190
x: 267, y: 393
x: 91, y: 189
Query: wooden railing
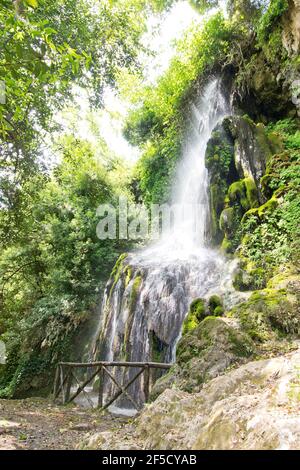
x: 65, y: 376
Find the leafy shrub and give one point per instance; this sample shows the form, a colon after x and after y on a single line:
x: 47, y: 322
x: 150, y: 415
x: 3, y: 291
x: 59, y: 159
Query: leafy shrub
x: 270, y: 18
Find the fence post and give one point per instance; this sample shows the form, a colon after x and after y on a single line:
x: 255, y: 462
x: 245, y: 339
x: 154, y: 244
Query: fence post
x: 56, y: 382
x: 62, y: 384
x: 101, y: 387
x: 68, y: 384
x: 146, y: 382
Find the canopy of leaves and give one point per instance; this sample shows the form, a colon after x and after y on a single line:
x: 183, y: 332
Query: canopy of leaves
x: 46, y: 47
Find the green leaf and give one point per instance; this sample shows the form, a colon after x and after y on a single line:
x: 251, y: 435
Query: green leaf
x: 32, y: 3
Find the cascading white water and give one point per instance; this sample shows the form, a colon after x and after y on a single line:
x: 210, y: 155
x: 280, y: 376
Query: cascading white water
x: 190, y: 189
x: 146, y: 301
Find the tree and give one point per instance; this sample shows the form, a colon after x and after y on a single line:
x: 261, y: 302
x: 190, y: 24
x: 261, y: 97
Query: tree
x: 51, y: 278
x: 46, y: 47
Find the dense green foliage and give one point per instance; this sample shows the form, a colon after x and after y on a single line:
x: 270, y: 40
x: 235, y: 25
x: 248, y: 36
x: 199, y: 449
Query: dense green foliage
x: 269, y: 19
x: 52, y: 264
x: 50, y: 279
x: 46, y: 47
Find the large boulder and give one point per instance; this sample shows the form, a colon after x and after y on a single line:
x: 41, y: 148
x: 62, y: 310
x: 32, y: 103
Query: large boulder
x: 270, y: 314
x: 205, y: 352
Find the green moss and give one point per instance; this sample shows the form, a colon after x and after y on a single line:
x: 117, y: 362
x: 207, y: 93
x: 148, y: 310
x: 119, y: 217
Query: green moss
x: 134, y: 292
x: 189, y: 324
x: 215, y: 302
x: 237, y: 194
x: 219, y: 159
x: 251, y: 192
x: 227, y: 246
x: 219, y: 311
x: 269, y: 206
x: 117, y: 271
x: 198, y: 308
x: 227, y: 221
x: 200, y: 342
x: 119, y: 264
x: 197, y: 313
x: 244, y: 192
x: 217, y: 194
x: 261, y: 211
x: 128, y: 274
x: 269, y: 315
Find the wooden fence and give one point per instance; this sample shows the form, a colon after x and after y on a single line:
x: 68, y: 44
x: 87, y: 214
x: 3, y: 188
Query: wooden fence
x: 65, y: 377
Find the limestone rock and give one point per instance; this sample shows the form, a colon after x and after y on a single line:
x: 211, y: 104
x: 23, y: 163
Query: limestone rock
x: 253, y: 148
x: 255, y: 406
x: 291, y: 28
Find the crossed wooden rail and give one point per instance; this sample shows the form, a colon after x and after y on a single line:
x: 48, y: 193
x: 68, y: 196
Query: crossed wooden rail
x: 65, y: 375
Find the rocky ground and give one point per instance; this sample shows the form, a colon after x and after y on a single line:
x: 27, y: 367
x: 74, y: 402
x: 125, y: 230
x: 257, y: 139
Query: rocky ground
x: 38, y: 424
x: 255, y: 406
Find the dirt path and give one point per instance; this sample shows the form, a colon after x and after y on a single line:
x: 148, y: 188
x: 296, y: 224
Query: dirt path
x: 39, y: 424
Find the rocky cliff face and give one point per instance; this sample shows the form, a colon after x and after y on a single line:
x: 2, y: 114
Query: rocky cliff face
x: 291, y: 28
x: 236, y: 157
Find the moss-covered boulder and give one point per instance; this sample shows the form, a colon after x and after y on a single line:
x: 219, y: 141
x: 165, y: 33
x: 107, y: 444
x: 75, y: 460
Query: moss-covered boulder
x: 215, y: 305
x: 227, y: 221
x: 197, y: 312
x: 206, y: 352
x: 200, y: 309
x: 271, y: 315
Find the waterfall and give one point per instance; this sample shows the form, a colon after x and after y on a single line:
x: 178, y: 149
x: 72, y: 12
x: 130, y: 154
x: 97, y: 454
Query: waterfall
x: 148, y: 295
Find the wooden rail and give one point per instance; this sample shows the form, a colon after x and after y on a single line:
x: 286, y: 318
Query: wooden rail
x: 65, y: 377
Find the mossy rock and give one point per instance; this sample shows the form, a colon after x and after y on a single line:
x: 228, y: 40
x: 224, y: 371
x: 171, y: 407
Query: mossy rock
x: 227, y: 221
x: 204, y: 353
x: 219, y: 160
x: 198, y: 308
x: 215, y: 305
x: 219, y: 311
x: 270, y: 314
x: 197, y: 312
x: 253, y: 149
x: 209, y: 350
x: 237, y: 194
x: 244, y: 192
x: 249, y: 277
x: 227, y: 246
x: 251, y: 192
